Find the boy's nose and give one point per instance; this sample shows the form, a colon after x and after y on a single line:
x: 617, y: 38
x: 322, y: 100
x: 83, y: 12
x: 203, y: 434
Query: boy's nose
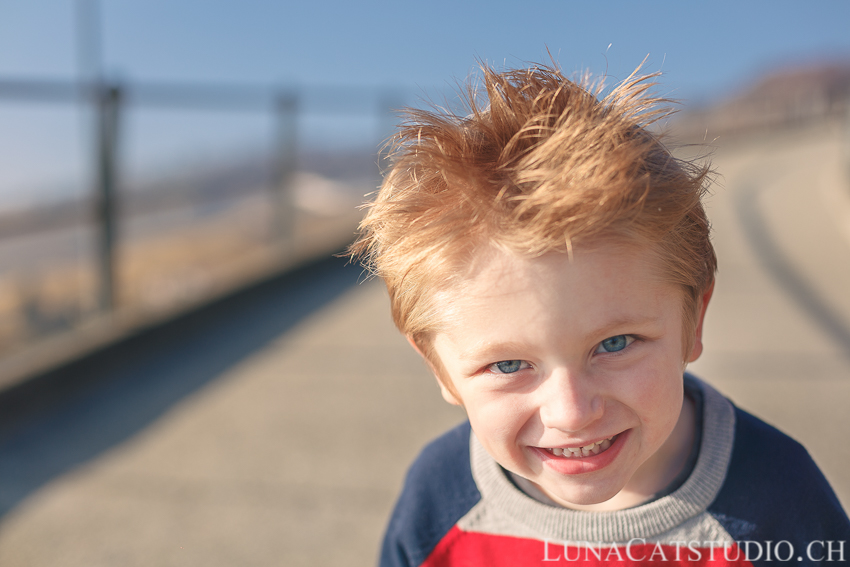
x: 569, y: 401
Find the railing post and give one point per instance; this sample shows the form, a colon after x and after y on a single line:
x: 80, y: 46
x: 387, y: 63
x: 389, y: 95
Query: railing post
x: 108, y: 101
x: 285, y: 164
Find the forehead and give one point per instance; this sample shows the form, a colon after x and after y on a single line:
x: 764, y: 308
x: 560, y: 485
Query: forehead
x: 597, y: 283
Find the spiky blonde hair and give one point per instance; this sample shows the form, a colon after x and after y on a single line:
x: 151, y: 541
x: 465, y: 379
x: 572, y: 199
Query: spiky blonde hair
x: 541, y: 164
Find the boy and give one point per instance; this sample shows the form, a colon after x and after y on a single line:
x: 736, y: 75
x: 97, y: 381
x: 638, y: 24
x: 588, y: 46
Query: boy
x: 551, y: 262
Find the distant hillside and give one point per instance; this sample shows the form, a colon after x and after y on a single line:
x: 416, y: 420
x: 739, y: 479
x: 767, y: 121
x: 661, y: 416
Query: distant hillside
x: 354, y: 168
x: 786, y: 97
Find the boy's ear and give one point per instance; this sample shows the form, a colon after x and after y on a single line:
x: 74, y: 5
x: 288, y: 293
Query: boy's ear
x: 448, y: 395
x: 696, y: 351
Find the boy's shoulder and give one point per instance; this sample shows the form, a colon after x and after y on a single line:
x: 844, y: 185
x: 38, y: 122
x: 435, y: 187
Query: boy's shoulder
x: 773, y: 486
x: 438, y: 491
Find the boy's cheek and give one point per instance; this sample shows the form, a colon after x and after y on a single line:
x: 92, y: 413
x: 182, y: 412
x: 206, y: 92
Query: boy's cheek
x: 503, y: 422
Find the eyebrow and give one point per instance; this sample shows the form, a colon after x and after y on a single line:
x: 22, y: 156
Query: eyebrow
x: 624, y: 322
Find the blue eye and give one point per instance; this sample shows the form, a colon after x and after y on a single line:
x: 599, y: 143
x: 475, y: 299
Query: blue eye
x: 508, y: 366
x: 614, y: 344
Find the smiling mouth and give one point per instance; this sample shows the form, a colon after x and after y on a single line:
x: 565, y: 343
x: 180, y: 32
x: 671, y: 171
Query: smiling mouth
x: 583, y: 451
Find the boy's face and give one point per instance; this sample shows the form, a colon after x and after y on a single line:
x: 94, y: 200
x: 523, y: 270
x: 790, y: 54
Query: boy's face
x: 548, y: 354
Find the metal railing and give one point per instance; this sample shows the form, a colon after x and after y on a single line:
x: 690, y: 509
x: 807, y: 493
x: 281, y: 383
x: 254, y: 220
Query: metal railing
x: 110, y: 101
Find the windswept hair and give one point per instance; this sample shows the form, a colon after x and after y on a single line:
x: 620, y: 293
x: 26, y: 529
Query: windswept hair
x: 540, y: 164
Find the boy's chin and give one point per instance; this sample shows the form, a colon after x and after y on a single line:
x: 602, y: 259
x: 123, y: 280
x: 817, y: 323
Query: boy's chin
x: 583, y: 497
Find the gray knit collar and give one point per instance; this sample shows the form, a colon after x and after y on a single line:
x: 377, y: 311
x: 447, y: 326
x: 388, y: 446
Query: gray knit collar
x: 645, y: 521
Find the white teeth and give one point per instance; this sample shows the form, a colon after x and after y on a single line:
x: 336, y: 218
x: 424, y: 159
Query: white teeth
x: 592, y: 449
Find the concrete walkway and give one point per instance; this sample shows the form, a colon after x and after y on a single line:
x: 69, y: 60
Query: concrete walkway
x: 294, y: 453
x: 778, y: 328
x: 290, y: 455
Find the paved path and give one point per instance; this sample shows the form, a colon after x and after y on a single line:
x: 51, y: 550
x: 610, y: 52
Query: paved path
x: 262, y: 437
x: 778, y: 329
x: 291, y: 448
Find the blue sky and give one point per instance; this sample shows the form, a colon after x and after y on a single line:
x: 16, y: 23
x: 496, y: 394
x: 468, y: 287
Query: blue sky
x: 704, y: 47
x: 705, y: 50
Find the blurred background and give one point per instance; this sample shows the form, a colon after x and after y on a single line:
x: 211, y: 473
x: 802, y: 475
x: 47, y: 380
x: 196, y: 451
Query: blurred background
x: 187, y: 376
